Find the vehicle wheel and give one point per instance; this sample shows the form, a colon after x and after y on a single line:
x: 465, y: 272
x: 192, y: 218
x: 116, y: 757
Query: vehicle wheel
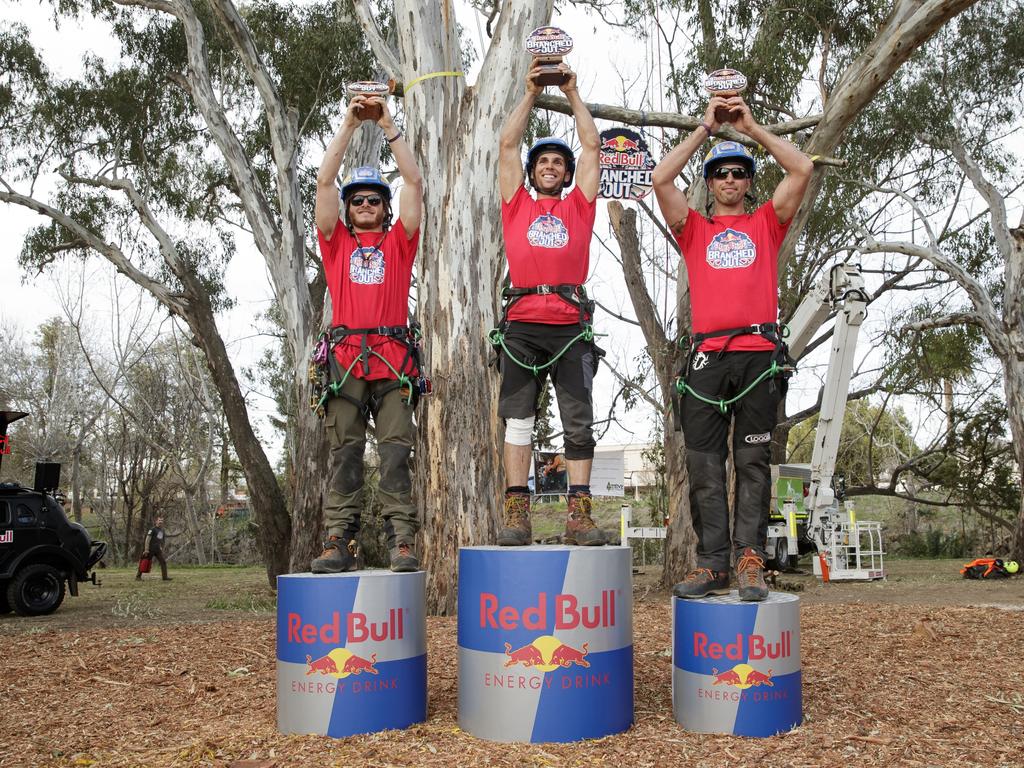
x: 782, y: 557
x: 36, y: 590
x: 5, y: 607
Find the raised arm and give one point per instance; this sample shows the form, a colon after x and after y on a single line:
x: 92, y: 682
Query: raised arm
x: 671, y: 199
x: 510, y: 161
x: 796, y: 164
x: 588, y: 168
x: 411, y: 207
x: 328, y: 207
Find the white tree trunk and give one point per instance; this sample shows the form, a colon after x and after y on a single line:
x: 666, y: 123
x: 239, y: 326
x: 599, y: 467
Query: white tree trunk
x: 453, y: 131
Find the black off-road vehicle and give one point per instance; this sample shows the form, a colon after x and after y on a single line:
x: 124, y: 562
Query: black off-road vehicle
x: 41, y: 551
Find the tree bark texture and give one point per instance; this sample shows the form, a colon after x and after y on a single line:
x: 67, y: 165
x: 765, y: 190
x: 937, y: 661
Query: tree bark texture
x: 681, y: 539
x: 453, y: 131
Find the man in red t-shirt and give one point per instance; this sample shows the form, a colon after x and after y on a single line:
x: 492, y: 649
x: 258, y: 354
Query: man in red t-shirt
x: 731, y: 260
x: 547, y: 319
x: 368, y: 264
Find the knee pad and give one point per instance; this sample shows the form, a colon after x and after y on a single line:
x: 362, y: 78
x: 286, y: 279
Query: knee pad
x: 348, y: 474
x: 394, y: 467
x: 519, y: 431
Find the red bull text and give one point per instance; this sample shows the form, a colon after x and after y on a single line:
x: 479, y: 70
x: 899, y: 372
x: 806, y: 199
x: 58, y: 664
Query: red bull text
x: 545, y: 643
x: 736, y: 666
x: 351, y: 652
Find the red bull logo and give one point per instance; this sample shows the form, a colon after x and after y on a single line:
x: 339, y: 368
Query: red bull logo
x: 620, y: 143
x: 731, y: 250
x: 341, y: 663
x: 546, y: 654
x: 742, y: 676
x: 337, y: 665
x: 7, y: 538
x: 358, y: 628
x: 745, y: 648
x: 568, y: 613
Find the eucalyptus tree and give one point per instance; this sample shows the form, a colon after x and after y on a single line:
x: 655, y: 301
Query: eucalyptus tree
x: 163, y: 158
x: 856, y: 58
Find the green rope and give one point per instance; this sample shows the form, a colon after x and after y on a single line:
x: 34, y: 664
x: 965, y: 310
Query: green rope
x: 723, y: 405
x: 497, y: 339
x: 334, y: 388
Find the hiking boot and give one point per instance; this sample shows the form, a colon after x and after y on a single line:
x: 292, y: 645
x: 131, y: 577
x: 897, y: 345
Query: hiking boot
x: 580, y: 528
x: 403, y: 560
x: 337, y: 557
x: 750, y: 575
x: 701, y: 583
x: 515, y: 530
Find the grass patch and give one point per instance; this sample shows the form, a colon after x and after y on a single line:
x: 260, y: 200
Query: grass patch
x: 251, y: 603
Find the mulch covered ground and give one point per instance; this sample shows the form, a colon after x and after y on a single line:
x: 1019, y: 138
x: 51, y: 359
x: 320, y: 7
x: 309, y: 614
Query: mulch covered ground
x: 883, y: 685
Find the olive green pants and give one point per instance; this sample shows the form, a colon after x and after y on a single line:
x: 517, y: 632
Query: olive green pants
x: 346, y: 430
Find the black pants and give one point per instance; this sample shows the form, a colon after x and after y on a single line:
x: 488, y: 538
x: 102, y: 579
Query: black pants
x: 159, y: 557
x: 572, y: 375
x: 706, y: 430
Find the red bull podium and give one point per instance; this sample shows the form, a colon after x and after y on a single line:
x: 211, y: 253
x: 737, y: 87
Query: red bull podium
x: 736, y: 665
x: 545, y: 638
x: 351, y: 652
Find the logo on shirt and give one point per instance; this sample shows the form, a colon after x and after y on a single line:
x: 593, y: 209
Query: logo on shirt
x: 366, y: 266
x: 547, y: 231
x: 731, y: 250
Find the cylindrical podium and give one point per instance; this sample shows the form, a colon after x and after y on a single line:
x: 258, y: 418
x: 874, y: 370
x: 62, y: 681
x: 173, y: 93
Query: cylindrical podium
x: 351, y: 652
x: 545, y: 640
x: 736, y: 665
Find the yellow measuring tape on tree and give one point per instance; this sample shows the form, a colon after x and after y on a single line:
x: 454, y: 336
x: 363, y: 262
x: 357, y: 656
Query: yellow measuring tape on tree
x: 421, y: 78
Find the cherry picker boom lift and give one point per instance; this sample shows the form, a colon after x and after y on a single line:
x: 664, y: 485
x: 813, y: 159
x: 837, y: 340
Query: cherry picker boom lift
x: 808, y: 514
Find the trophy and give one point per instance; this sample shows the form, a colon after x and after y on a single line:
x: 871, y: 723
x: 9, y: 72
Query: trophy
x: 725, y: 82
x: 548, y: 45
x: 370, y: 88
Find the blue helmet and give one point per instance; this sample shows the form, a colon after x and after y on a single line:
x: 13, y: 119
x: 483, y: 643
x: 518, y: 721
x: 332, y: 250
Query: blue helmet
x: 551, y: 144
x: 729, y: 150
x: 362, y: 177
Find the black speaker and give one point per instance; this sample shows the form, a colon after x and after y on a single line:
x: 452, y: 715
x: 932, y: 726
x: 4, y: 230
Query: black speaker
x: 47, y: 476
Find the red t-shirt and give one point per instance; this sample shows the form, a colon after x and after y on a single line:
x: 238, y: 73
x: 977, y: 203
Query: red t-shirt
x: 369, y: 284
x: 547, y: 242
x: 732, y: 262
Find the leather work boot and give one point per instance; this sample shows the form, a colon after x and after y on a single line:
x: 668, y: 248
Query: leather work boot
x: 702, y: 582
x: 515, y: 531
x: 580, y: 528
x: 337, y: 557
x: 750, y: 575
x: 403, y: 559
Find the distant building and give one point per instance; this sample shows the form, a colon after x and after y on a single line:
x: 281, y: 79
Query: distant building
x: 638, y: 473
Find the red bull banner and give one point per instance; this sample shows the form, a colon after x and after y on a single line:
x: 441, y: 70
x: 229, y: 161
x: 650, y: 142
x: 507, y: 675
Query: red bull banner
x: 545, y: 640
x: 626, y: 165
x: 351, y: 652
x: 736, y: 665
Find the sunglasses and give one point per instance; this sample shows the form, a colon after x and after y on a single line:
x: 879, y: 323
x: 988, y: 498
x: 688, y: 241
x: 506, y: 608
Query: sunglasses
x: 736, y: 173
x: 373, y: 200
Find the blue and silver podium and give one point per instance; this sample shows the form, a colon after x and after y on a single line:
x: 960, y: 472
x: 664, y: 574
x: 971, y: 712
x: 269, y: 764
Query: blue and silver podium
x: 545, y: 638
x: 736, y: 665
x: 351, y: 652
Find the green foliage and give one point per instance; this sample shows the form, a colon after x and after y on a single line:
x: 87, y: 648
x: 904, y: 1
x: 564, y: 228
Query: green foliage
x: 873, y: 441
x: 134, y: 119
x: 935, y: 543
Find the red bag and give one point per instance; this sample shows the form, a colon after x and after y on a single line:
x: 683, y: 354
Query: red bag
x: 145, y: 563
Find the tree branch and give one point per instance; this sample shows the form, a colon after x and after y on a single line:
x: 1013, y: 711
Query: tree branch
x: 173, y: 301
x: 385, y: 56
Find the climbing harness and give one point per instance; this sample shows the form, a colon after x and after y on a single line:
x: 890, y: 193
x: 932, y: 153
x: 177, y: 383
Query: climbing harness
x: 574, y: 295
x: 781, y: 364
x: 326, y: 377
